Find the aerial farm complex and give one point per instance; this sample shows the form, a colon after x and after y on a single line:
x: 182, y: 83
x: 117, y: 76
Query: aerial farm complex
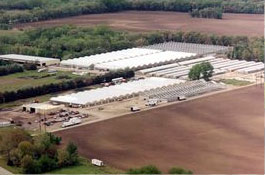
x: 161, y: 74
x: 161, y: 79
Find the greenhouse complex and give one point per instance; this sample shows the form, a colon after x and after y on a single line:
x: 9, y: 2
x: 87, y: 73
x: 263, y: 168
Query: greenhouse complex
x: 164, y: 68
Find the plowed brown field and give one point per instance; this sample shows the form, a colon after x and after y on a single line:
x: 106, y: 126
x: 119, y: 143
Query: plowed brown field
x: 143, y: 21
x: 217, y: 134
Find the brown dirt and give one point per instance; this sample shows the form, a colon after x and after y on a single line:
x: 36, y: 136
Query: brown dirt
x: 222, y: 133
x: 143, y: 21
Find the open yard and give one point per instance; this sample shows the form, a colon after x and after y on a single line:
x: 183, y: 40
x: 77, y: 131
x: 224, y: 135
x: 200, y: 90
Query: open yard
x: 144, y: 21
x: 222, y: 133
x: 31, y: 78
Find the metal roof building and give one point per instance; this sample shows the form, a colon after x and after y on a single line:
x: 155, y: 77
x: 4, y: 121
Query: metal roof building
x: 39, y: 61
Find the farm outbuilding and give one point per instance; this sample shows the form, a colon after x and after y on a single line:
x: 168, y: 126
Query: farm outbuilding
x: 115, y: 92
x: 39, y: 61
x: 41, y: 108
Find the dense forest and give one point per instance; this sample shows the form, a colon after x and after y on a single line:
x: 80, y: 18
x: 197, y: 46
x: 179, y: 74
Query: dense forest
x: 21, y: 11
x: 68, y: 42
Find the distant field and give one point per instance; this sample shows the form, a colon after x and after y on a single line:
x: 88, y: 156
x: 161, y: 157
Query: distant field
x: 143, y: 21
x: 30, y: 78
x: 218, y: 134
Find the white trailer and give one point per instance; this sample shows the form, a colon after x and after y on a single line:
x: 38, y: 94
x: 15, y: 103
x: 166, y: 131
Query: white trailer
x: 72, y: 122
x: 152, y: 102
x: 97, y: 162
x: 135, y: 109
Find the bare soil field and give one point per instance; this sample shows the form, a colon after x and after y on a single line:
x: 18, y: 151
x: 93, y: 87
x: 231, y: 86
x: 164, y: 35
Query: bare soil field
x: 218, y: 134
x: 144, y: 21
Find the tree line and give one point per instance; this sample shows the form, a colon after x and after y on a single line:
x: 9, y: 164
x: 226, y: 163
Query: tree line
x: 35, y: 155
x: 69, y: 42
x: 210, y: 12
x: 151, y: 169
x: 80, y: 82
x: 11, y: 68
x: 39, y: 10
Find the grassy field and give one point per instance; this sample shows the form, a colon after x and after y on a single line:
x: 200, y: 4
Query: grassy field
x: 41, y: 99
x: 31, y: 78
x: 84, y: 167
x: 236, y: 82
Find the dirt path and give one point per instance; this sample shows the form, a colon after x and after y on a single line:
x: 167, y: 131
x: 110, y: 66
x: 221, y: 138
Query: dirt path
x: 144, y: 21
x: 222, y: 133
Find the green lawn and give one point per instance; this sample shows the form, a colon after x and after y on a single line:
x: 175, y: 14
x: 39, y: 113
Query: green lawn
x: 83, y: 168
x: 236, y: 82
x: 41, y: 99
x: 30, y: 78
x: 86, y: 167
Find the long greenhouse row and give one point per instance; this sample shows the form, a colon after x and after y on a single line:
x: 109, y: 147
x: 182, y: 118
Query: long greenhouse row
x: 112, y: 93
x: 87, y: 61
x: 145, y: 61
x: 221, y: 66
x: 189, y: 47
x: 188, y: 89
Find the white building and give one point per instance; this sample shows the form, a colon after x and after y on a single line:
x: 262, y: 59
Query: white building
x: 115, y: 92
x: 41, y: 108
x: 39, y: 61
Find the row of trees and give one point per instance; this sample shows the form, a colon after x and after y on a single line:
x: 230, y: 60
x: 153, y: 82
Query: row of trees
x: 210, y: 12
x: 151, y: 169
x: 11, y: 68
x: 62, y: 86
x: 37, y: 10
x: 37, y: 154
x: 68, y: 42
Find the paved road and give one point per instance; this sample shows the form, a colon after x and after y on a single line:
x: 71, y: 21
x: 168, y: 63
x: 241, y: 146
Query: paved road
x: 5, y: 172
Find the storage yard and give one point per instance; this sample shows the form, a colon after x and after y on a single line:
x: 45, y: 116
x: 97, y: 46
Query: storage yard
x: 208, y: 135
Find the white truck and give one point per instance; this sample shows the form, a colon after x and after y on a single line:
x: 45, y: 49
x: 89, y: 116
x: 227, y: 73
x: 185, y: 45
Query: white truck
x: 97, y: 162
x: 135, y: 109
x: 152, y: 102
x: 72, y: 122
x: 181, y: 98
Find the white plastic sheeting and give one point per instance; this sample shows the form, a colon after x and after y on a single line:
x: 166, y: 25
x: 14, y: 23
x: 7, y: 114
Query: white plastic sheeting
x: 26, y: 58
x: 221, y: 66
x: 85, y: 62
x: 189, y: 47
x: 117, y: 91
x: 145, y: 61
